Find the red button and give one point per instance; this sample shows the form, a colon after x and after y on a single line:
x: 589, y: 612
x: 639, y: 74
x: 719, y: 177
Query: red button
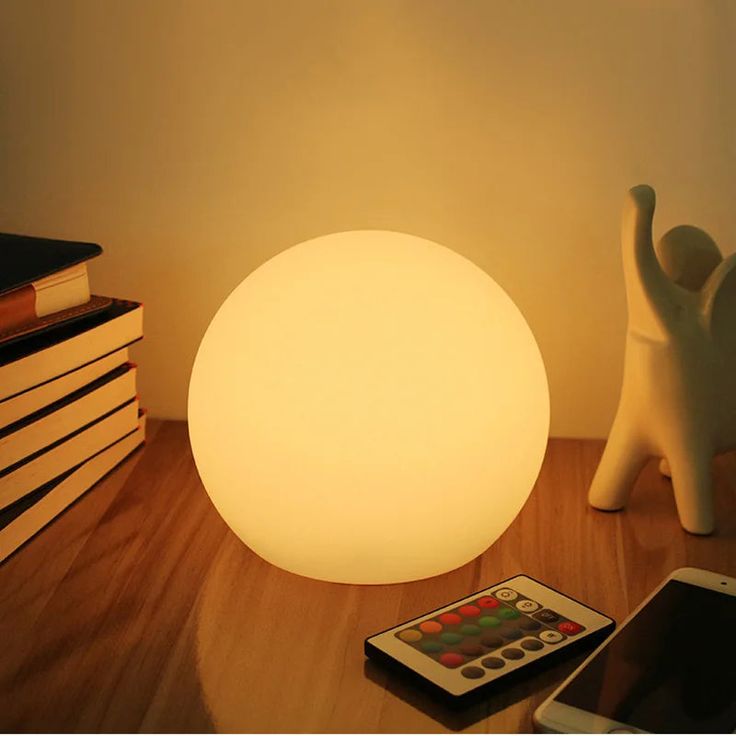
x: 487, y: 602
x: 450, y: 619
x: 469, y: 611
x: 450, y: 659
x: 430, y: 627
x: 569, y: 627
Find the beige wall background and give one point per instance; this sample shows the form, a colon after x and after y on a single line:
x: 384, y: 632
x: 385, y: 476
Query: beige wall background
x: 194, y: 140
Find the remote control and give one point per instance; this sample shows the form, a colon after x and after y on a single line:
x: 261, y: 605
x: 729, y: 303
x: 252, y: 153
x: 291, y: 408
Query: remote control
x: 467, y: 649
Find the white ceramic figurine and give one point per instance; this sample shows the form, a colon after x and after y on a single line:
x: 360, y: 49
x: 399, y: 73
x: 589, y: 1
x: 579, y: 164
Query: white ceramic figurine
x: 678, y: 399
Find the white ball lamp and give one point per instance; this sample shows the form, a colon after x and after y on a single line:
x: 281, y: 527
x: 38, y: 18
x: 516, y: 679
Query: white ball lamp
x: 368, y: 407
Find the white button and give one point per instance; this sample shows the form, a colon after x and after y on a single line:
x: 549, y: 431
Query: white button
x: 551, y: 637
x: 506, y: 594
x: 527, y: 605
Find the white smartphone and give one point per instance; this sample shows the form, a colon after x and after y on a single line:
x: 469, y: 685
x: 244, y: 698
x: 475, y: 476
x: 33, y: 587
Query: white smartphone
x: 669, y: 668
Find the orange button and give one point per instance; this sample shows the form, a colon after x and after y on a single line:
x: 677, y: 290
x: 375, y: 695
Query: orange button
x: 410, y: 635
x: 430, y: 627
x: 450, y: 619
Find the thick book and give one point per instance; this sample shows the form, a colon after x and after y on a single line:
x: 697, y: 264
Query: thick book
x: 34, y: 433
x: 26, y: 517
x: 55, y: 352
x: 43, y: 282
x: 28, y: 402
x: 24, y: 477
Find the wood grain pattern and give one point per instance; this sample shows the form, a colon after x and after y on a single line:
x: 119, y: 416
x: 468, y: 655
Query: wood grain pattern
x: 138, y: 610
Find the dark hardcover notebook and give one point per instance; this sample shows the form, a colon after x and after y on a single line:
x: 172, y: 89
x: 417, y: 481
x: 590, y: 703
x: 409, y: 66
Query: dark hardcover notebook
x: 41, y: 340
x: 24, y: 259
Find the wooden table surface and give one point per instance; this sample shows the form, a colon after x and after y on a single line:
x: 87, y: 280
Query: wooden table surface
x: 138, y: 610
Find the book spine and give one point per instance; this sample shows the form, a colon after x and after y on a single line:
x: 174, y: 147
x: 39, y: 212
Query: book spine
x: 17, y: 308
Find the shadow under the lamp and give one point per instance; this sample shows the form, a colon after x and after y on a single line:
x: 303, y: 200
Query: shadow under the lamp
x: 539, y: 684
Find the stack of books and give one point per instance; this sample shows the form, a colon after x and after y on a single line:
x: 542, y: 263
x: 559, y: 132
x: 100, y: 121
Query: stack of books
x: 69, y: 411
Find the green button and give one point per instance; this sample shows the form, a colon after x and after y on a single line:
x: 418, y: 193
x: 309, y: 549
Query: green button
x: 508, y: 613
x: 431, y: 646
x: 487, y: 621
x: 470, y: 629
x: 449, y: 638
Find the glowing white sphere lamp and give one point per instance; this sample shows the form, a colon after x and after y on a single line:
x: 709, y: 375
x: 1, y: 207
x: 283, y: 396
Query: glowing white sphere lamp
x: 368, y: 407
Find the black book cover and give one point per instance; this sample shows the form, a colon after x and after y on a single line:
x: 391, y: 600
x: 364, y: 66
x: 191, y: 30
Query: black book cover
x: 24, y: 259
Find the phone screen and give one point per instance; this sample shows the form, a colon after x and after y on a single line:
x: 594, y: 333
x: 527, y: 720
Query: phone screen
x: 670, y: 669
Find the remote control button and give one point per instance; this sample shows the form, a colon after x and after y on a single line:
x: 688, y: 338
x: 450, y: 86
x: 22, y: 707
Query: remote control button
x: 506, y: 594
x: 450, y: 619
x: 493, y: 663
x: 511, y: 634
x: 431, y: 646
x: 549, y: 617
x: 491, y: 642
x: 569, y: 627
x: 527, y: 606
x: 488, y: 622
x: 508, y: 613
x: 532, y: 645
x: 487, y: 602
x: 470, y: 630
x: 410, y: 635
x: 472, y: 673
x: 512, y: 653
x: 551, y: 637
x: 430, y: 627
x: 471, y: 650
x: 529, y: 624
x: 450, y: 637
x: 469, y: 611
x: 450, y: 659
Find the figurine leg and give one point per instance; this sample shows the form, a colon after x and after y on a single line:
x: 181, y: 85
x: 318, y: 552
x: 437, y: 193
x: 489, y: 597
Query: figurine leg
x: 692, y: 482
x: 622, y: 461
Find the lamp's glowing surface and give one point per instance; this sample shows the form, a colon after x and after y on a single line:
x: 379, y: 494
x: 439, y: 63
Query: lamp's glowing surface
x: 368, y: 407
